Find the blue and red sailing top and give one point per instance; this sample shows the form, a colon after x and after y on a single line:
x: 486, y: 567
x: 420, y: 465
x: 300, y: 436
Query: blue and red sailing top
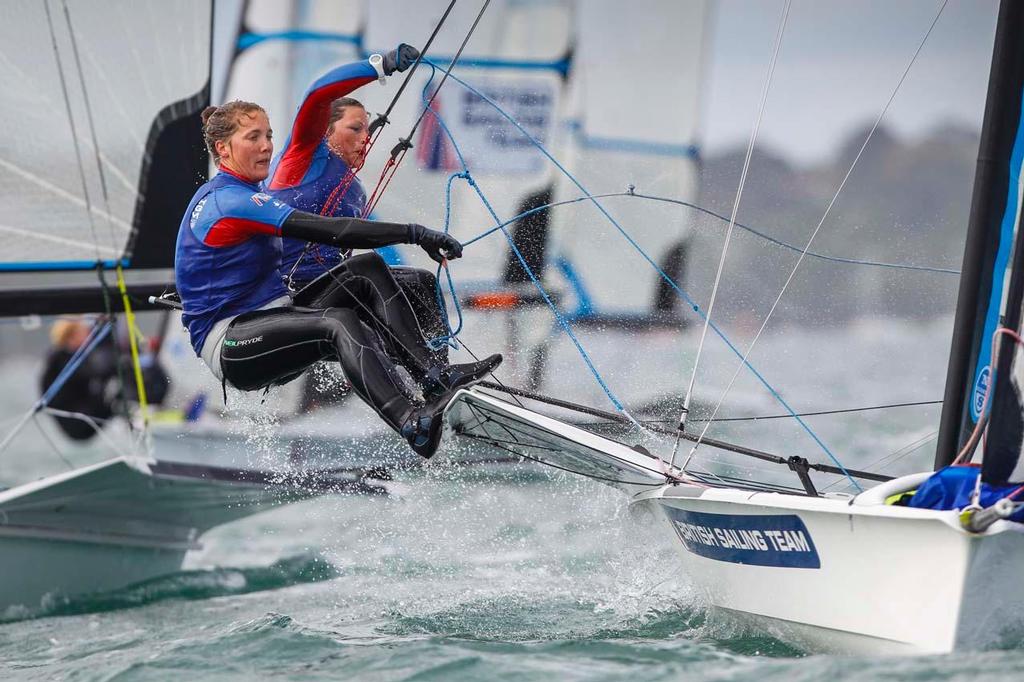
x: 228, y: 256
x: 310, y: 177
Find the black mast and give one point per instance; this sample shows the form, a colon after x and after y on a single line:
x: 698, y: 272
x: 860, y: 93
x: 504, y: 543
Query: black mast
x: 987, y: 237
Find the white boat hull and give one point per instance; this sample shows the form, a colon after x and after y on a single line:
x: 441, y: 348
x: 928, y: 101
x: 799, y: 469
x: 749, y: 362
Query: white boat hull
x: 841, y: 576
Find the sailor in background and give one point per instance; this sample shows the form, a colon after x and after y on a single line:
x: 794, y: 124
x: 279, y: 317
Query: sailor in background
x: 316, y: 172
x: 94, y: 389
x: 241, y: 319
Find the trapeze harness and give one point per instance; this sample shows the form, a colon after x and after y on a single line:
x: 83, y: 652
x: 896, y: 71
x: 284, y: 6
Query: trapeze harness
x: 308, y: 176
x: 243, y: 323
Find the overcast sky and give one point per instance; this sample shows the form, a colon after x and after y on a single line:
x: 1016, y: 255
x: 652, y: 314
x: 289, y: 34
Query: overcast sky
x: 838, y: 64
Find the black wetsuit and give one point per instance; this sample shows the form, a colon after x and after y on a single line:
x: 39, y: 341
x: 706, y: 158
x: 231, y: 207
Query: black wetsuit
x: 227, y: 266
x: 355, y: 314
x: 86, y: 391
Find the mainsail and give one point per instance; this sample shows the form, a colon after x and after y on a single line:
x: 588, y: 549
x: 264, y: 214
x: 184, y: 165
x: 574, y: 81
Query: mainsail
x: 101, y: 148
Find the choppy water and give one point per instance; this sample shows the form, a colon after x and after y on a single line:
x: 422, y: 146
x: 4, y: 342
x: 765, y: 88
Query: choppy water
x: 471, y: 579
x: 468, y: 576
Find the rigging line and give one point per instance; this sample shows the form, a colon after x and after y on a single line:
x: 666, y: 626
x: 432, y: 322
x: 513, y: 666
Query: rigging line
x: 405, y: 144
x: 724, y: 219
x: 722, y: 445
x: 74, y: 132
x: 562, y: 322
x: 820, y: 413
x: 718, y: 216
x: 447, y: 72
x: 785, y: 245
x: 892, y: 457
x: 650, y: 261
x: 49, y: 441
x: 92, y: 124
x: 732, y: 222
x: 382, y: 120
x: 796, y: 266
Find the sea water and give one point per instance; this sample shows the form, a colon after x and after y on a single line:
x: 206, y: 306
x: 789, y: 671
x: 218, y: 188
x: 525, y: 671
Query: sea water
x: 468, y: 574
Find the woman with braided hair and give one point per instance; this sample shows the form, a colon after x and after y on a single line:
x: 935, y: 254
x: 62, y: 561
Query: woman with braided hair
x: 244, y: 324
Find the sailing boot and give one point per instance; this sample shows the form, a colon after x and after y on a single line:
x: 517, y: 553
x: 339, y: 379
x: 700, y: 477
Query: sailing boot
x: 424, y: 425
x: 440, y: 380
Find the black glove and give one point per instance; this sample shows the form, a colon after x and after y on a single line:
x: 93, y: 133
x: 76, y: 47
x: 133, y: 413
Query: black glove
x: 400, y: 58
x: 438, y: 245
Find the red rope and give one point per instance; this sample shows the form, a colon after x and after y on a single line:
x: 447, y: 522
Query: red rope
x: 382, y: 183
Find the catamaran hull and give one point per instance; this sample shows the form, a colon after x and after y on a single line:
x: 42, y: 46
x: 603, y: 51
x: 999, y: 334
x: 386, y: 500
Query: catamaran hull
x: 834, y: 575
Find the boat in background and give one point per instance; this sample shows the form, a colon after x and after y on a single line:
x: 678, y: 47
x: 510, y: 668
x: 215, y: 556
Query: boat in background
x: 95, y: 181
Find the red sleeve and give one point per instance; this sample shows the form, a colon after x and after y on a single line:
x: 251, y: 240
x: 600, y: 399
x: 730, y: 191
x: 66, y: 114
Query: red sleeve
x: 311, y: 120
x: 232, y: 231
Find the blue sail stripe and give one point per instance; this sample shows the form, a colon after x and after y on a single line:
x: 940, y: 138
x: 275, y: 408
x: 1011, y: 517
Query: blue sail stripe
x: 983, y: 371
x: 252, y: 38
x: 35, y: 266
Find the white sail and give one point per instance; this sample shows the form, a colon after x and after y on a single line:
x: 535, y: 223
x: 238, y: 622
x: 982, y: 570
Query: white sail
x: 633, y: 119
x: 72, y: 181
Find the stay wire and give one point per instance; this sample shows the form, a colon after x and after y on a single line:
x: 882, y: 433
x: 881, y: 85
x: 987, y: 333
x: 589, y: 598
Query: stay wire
x: 398, y: 152
x: 382, y: 119
x: 74, y: 132
x: 814, y: 234
x: 92, y: 130
x: 447, y: 72
x: 732, y: 222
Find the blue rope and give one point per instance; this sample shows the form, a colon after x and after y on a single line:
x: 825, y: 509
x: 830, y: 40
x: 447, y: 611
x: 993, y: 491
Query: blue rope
x: 451, y: 338
x: 467, y: 176
x: 696, y: 308
x: 757, y: 233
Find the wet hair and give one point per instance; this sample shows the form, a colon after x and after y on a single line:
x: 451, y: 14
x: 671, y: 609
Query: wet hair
x: 338, y: 107
x: 220, y: 123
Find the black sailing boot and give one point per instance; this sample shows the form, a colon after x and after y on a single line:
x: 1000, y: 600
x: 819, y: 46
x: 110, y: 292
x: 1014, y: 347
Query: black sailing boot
x: 424, y: 425
x: 440, y: 380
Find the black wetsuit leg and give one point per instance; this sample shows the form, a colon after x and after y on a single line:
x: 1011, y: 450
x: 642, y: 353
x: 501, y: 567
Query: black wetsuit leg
x: 420, y: 287
x: 364, y: 283
x: 267, y: 347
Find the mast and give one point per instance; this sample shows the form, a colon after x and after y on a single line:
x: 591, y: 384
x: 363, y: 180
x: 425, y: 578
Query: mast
x: 991, y: 231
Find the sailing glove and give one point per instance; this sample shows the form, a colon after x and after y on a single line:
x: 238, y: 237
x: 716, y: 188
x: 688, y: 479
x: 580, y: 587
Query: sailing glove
x: 400, y: 58
x: 438, y: 245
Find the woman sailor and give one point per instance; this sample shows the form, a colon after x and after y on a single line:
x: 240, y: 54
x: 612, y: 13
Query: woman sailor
x: 243, y: 323
x: 316, y: 172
